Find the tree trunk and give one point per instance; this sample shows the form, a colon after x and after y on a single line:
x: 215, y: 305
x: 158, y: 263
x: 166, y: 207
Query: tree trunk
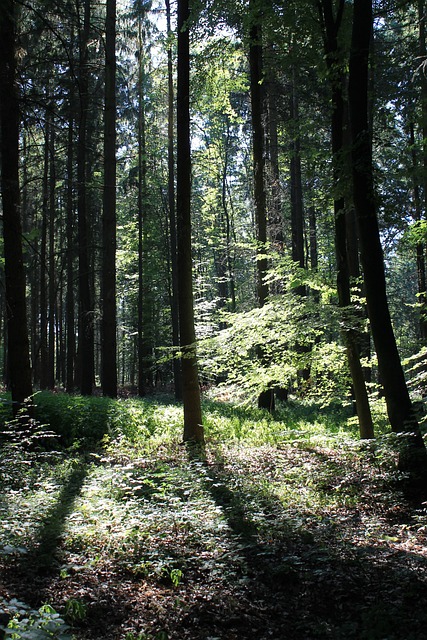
x: 172, y: 216
x: 314, y: 256
x: 43, y: 311
x: 275, y: 222
x: 413, y: 457
x: 18, y: 344
x: 193, y: 429
x: 109, y: 311
x: 144, y: 328
x: 297, y: 208
x: 52, y: 287
x: 420, y: 248
x: 266, y: 397
x: 334, y: 59
x: 69, y: 303
x: 227, y: 227
x: 86, y: 327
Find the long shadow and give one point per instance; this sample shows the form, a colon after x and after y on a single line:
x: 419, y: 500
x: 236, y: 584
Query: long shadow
x: 303, y: 587
x: 53, y: 525
x: 41, y: 558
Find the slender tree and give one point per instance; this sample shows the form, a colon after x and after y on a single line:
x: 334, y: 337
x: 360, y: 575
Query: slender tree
x: 420, y: 249
x: 86, y: 319
x: 172, y: 212
x: 193, y: 429
x: 413, y: 456
x: 266, y: 397
x: 109, y: 312
x: 335, y: 61
x: 18, y: 344
x: 69, y: 302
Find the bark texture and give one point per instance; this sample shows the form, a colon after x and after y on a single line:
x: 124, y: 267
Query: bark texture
x: 193, y: 429
x: 18, y: 343
x: 109, y: 312
x: 413, y: 456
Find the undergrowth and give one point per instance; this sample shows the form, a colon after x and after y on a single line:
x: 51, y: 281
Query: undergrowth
x: 120, y: 513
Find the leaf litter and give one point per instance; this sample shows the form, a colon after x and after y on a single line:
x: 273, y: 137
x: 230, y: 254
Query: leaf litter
x: 296, y: 540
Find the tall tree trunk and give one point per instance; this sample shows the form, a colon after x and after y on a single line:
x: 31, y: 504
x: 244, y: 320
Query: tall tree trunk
x: 43, y: 311
x: 420, y: 248
x: 69, y: 303
x: 413, y: 456
x: 86, y: 326
x: 18, y: 344
x: 297, y: 207
x: 275, y: 222
x: 423, y: 56
x: 314, y: 257
x: 172, y: 215
x: 109, y: 311
x: 52, y: 288
x: 266, y: 397
x: 193, y: 429
x: 226, y: 224
x: 334, y: 58
x: 143, y: 303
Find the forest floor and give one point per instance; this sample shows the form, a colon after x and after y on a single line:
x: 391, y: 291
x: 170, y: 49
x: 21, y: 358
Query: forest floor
x: 300, y: 536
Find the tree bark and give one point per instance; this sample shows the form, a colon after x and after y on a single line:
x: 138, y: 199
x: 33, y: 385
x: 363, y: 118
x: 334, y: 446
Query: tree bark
x: 69, y: 302
x: 109, y: 311
x: 52, y: 269
x: 193, y: 429
x: 334, y: 59
x: 413, y: 457
x: 18, y: 344
x: 43, y: 311
x: 266, y: 397
x: 297, y: 207
x: 86, y: 327
x: 144, y: 327
x: 172, y: 216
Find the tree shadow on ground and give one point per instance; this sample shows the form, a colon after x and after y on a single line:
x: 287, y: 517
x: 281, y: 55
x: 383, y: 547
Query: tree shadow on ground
x: 312, y: 582
x: 294, y: 578
x: 40, y: 559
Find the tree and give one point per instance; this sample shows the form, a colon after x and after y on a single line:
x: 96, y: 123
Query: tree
x: 108, y: 336
x: 413, y: 455
x: 172, y: 213
x: 193, y: 429
x: 335, y: 60
x: 18, y: 344
x: 266, y: 398
x: 86, y: 319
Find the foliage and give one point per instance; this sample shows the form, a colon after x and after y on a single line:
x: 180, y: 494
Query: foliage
x: 290, y: 332
x: 24, y: 441
x: 29, y: 624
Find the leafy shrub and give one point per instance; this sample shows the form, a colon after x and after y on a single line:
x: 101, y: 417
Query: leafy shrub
x: 30, y: 624
x: 75, y: 418
x: 25, y: 442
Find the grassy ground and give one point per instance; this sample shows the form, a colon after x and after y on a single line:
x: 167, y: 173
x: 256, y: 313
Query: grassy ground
x: 289, y: 528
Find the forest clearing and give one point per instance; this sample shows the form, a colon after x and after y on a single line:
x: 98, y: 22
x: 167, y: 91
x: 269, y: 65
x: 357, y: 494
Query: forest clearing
x: 287, y: 527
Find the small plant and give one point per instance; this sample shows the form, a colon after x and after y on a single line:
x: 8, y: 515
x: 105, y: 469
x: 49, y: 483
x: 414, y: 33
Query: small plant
x: 30, y: 624
x: 175, y: 576
x: 75, y: 611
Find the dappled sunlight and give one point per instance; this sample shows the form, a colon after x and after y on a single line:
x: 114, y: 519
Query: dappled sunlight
x: 294, y: 525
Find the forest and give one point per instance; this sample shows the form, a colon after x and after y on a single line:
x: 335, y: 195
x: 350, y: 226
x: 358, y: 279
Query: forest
x: 213, y: 319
